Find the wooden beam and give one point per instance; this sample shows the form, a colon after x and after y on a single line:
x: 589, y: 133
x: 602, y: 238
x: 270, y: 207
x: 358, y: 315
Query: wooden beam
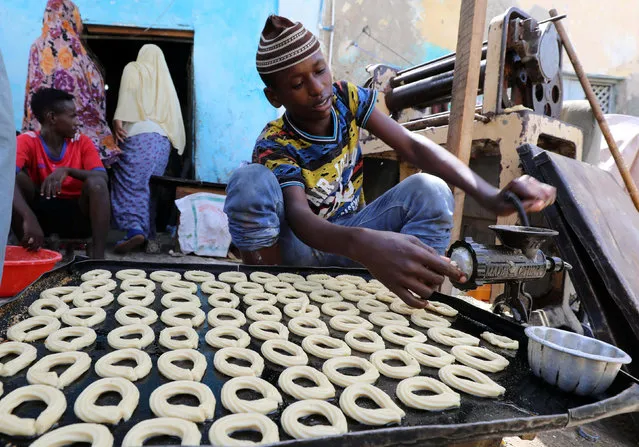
x: 141, y: 33
x: 470, y: 36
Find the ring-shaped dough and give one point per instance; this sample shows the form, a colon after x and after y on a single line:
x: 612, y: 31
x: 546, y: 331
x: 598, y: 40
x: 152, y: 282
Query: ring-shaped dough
x: 479, y: 358
x: 37, y: 308
x: 162, y: 275
x: 305, y: 326
x: 225, y: 367
x: 218, y: 337
x: 41, y: 373
x: 268, y: 330
x: 270, y: 400
x: 295, y: 355
x: 95, y: 315
x: 351, y: 278
x: 95, y: 434
x: 98, y: 284
x: 441, y: 308
x: 26, y: 354
x: 386, y: 296
x: 428, y: 320
x: 65, y: 293
x: 224, y: 299
x: 175, y: 299
x: 292, y: 296
x: 138, y: 283
x: 195, y: 319
x: 314, y: 345
x: 325, y: 296
x: 346, y: 323
x: 322, y: 390
x: 139, y: 297
x: 95, y: 274
x: 307, y: 286
x: 187, y: 431
x: 289, y: 277
x: 116, y: 340
x: 387, y: 413
x: 84, y: 336
x: 371, y: 305
x: 220, y: 431
x: 174, y: 372
x: 293, y: 310
x: 331, y: 369
x: 245, y: 287
x: 444, y: 399
x: 177, y: 285
x: 93, y: 298
x: 258, y: 312
x: 277, y: 287
x: 451, y: 337
x: 262, y: 277
x: 291, y: 415
x: 372, y: 288
x: 339, y: 286
x: 160, y: 406
x: 23, y: 330
x: 387, y: 318
x: 86, y: 409
x: 232, y: 277
x: 339, y: 308
x: 144, y: 315
x: 130, y: 274
x: 168, y: 337
x: 470, y: 381
x: 319, y: 277
x: 409, y: 369
x: 355, y: 295
x: 429, y: 355
x: 214, y: 287
x: 235, y: 317
x: 402, y: 335
x: 106, y: 365
x: 400, y: 307
x: 500, y: 341
x: 12, y: 425
x: 198, y: 276
x: 375, y: 341
x: 259, y: 298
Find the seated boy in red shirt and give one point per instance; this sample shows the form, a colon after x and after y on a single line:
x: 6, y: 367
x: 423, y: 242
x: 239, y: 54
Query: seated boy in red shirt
x: 61, y: 184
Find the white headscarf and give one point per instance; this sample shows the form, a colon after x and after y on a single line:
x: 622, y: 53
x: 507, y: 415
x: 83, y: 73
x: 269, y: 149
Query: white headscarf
x: 147, y: 93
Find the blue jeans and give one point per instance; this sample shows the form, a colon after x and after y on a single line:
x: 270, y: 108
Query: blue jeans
x: 421, y: 205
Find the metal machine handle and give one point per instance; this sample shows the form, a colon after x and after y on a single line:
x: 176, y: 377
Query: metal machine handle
x: 523, y: 217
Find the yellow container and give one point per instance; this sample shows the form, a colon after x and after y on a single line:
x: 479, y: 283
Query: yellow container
x: 481, y: 293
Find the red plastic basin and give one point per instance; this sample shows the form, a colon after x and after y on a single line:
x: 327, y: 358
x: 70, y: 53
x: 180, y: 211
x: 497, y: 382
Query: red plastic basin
x: 22, y: 267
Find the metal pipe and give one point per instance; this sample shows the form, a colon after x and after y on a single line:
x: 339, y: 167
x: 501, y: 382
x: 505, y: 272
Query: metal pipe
x: 429, y: 69
x: 440, y: 119
x: 426, y: 91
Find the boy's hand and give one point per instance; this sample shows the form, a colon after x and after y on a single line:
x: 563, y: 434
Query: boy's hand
x: 403, y: 264
x: 52, y: 185
x: 534, y: 195
x: 118, y: 130
x: 32, y: 235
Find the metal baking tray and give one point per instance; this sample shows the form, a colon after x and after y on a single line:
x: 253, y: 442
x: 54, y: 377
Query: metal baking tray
x: 529, y: 405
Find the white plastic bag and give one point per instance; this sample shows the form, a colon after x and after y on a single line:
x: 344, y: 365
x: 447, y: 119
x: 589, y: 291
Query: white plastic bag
x: 204, y: 228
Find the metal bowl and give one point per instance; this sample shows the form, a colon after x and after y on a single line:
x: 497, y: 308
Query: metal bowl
x: 574, y: 363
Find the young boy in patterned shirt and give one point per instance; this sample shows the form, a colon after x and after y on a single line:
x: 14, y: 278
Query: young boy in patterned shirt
x: 301, y: 202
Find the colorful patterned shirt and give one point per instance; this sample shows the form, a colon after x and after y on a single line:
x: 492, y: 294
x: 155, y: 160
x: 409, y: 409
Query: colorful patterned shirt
x: 329, y: 168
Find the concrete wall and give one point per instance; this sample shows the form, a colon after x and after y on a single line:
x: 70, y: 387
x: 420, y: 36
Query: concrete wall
x: 230, y: 108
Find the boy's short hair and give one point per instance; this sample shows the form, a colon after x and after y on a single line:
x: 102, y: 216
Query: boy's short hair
x: 47, y: 100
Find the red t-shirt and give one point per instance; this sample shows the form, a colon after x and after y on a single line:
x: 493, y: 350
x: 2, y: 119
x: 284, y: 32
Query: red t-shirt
x: 78, y: 153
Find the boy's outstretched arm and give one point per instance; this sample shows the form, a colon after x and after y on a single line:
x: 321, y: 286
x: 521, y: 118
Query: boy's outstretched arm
x: 400, y: 261
x: 434, y: 159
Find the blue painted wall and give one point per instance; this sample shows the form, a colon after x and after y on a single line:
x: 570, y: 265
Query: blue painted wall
x: 230, y: 108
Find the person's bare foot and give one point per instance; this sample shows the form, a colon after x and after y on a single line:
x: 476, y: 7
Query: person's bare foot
x: 128, y: 245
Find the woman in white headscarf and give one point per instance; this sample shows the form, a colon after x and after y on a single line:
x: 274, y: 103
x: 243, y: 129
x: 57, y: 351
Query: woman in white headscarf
x: 147, y: 122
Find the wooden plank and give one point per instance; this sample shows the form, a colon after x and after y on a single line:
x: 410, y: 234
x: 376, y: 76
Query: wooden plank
x: 114, y: 30
x: 472, y: 18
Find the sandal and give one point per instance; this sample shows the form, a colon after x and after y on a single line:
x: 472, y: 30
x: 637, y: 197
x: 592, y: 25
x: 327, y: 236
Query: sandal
x: 133, y: 240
